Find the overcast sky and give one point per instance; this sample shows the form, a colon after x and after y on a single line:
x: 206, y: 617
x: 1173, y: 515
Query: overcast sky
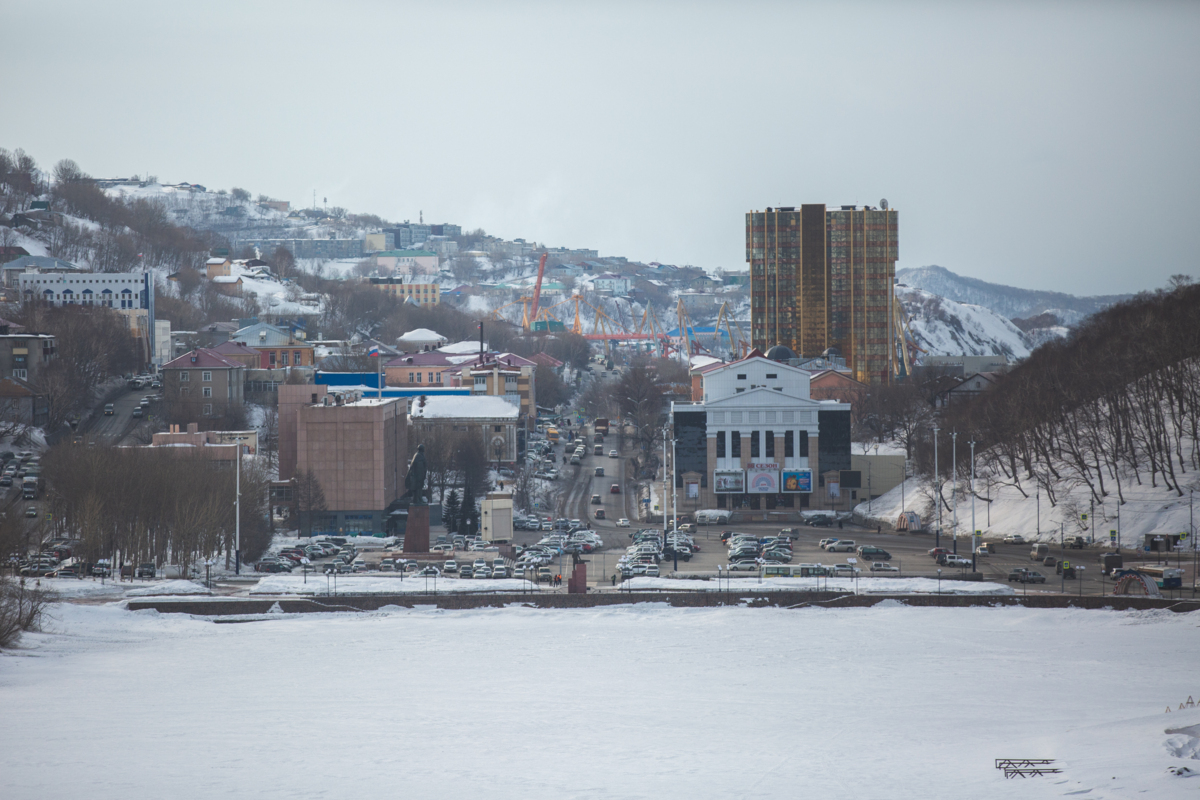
x: 1050, y: 146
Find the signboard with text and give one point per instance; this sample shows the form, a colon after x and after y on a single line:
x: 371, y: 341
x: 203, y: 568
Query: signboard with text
x: 762, y: 478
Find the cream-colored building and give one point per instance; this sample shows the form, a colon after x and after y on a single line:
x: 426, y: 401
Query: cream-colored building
x: 496, y: 516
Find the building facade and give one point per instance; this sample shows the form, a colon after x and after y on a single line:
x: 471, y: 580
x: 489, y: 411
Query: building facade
x: 493, y: 419
x: 202, y: 386
x: 823, y: 278
x: 756, y: 443
x: 423, y: 294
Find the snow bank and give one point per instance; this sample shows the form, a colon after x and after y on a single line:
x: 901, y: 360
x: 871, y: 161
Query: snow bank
x: 167, y: 587
x: 362, y: 584
x: 861, y: 586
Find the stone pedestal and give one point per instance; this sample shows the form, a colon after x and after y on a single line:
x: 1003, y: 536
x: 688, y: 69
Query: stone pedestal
x: 416, y: 532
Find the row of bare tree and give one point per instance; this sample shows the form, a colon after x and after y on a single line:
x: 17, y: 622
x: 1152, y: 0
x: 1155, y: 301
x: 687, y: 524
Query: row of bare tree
x: 144, y: 505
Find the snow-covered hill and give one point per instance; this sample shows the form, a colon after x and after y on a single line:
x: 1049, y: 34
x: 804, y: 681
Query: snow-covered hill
x: 1008, y: 301
x: 945, y: 327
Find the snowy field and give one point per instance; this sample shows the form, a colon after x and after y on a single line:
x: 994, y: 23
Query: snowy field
x: 387, y: 584
x: 622, y: 702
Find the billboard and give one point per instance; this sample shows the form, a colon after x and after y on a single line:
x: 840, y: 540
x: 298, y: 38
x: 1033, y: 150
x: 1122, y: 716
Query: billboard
x: 762, y: 481
x: 693, y: 490
x: 797, y: 480
x: 729, y: 481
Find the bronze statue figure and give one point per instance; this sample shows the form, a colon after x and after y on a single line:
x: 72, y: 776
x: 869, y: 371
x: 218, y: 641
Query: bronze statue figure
x: 414, y: 481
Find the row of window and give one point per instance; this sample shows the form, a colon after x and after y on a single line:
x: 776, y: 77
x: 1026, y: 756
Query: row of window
x: 205, y: 391
x: 415, y: 377
x: 286, y: 358
x: 758, y: 501
x: 185, y: 376
x: 790, y: 440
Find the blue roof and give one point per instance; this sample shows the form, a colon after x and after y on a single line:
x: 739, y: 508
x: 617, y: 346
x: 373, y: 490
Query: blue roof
x: 371, y: 381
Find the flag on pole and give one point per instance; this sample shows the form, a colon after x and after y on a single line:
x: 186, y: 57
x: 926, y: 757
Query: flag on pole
x: 374, y: 351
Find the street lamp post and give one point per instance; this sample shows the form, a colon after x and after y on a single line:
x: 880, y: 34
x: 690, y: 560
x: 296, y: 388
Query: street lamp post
x: 237, y: 516
x: 974, y: 531
x: 954, y: 483
x: 674, y: 503
x: 937, y: 540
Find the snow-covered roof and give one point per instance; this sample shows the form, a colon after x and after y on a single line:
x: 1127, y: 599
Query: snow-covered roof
x: 469, y: 346
x: 227, y: 279
x: 475, y: 407
x: 421, y: 335
x: 216, y: 261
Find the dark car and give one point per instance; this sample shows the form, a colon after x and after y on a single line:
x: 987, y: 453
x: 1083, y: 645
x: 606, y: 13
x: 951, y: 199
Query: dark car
x: 821, y: 521
x: 145, y: 571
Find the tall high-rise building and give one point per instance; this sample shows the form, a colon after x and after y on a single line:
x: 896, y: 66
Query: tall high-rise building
x: 822, y: 278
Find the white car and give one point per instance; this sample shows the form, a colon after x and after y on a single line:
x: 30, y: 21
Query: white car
x: 744, y: 566
x: 844, y: 571
x: 1014, y: 538
x: 957, y: 561
x: 982, y: 551
x: 826, y: 542
x: 622, y: 523
x: 841, y: 546
x: 883, y: 566
x: 612, y: 453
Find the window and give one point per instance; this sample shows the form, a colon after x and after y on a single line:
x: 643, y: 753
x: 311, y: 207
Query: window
x: 754, y: 444
x: 272, y: 358
x: 431, y: 377
x: 410, y: 378
x: 789, y: 444
x: 296, y: 358
x: 284, y: 357
x: 772, y: 376
x: 206, y: 377
x: 804, y: 444
x: 770, y: 444
x: 208, y: 409
x: 207, y: 391
x: 720, y: 444
x: 496, y: 428
x: 21, y: 373
x: 741, y: 377
x: 735, y: 444
x: 183, y: 377
x: 418, y: 377
x: 739, y: 391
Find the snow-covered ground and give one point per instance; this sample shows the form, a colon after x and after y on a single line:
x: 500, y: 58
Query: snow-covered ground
x: 1146, y: 510
x: 629, y: 701
x: 944, y: 327
x: 864, y: 585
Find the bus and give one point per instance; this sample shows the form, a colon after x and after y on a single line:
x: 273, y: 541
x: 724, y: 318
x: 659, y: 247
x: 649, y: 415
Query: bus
x: 552, y: 434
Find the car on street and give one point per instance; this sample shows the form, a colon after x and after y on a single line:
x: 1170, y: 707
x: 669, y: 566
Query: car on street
x: 614, y: 489
x: 1014, y: 538
x: 982, y: 550
x: 145, y: 571
x: 450, y: 566
x: 1022, y: 575
x: 612, y: 453
x: 744, y: 566
x: 139, y: 412
x: 596, y: 500
x: 844, y: 571
x: 956, y: 561
x: 820, y: 521
x: 622, y: 523
x: 842, y: 546
x: 108, y: 409
x: 31, y: 511
x: 937, y: 551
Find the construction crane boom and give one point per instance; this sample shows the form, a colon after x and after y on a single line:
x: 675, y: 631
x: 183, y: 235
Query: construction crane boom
x: 537, y: 289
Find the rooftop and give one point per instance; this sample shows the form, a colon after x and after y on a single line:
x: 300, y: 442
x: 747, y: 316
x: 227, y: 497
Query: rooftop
x: 477, y: 407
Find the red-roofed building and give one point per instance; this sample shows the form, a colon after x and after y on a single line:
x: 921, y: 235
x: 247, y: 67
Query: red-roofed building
x: 240, y: 352
x: 204, y: 387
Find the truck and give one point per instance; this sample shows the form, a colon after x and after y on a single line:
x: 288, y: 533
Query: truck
x: 29, y: 487
x: 600, y: 425
x: 1076, y: 542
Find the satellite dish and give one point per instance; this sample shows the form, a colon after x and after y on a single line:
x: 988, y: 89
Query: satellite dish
x: 883, y: 204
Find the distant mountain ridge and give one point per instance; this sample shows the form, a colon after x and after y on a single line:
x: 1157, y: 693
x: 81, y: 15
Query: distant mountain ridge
x: 1008, y: 301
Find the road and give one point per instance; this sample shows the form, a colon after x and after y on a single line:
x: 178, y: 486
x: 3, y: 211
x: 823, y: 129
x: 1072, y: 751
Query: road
x: 117, y: 429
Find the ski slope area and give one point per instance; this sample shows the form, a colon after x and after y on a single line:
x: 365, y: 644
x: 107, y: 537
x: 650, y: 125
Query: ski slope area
x: 630, y: 701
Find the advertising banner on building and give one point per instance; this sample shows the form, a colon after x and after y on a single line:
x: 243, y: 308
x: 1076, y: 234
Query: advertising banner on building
x: 797, y: 480
x: 762, y: 478
x: 693, y: 490
x: 729, y: 481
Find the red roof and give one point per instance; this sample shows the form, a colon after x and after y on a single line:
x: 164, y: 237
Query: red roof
x: 202, y: 358
x: 545, y: 359
x: 232, y: 347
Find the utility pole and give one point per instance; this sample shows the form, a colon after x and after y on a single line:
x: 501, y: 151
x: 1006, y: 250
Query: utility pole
x: 937, y: 536
x: 674, y: 502
x: 954, y: 483
x: 974, y: 532
x: 663, y: 499
x: 237, y: 514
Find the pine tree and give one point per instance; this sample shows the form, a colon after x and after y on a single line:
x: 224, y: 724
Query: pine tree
x: 468, y: 513
x: 450, y: 511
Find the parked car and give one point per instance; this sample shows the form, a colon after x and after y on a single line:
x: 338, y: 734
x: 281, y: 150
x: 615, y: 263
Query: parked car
x: 145, y: 571
x: 883, y: 566
x: 937, y: 551
x: 450, y: 567
x: 842, y: 546
x: 820, y: 521
x: 844, y: 571
x: 957, y: 561
x: 744, y: 566
x: 1026, y: 576
x: 824, y: 543
x: 869, y: 553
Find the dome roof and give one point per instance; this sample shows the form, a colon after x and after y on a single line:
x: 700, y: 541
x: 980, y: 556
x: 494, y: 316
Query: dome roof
x: 780, y: 353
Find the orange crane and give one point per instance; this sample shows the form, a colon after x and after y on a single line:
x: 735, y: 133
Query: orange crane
x: 537, y: 292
